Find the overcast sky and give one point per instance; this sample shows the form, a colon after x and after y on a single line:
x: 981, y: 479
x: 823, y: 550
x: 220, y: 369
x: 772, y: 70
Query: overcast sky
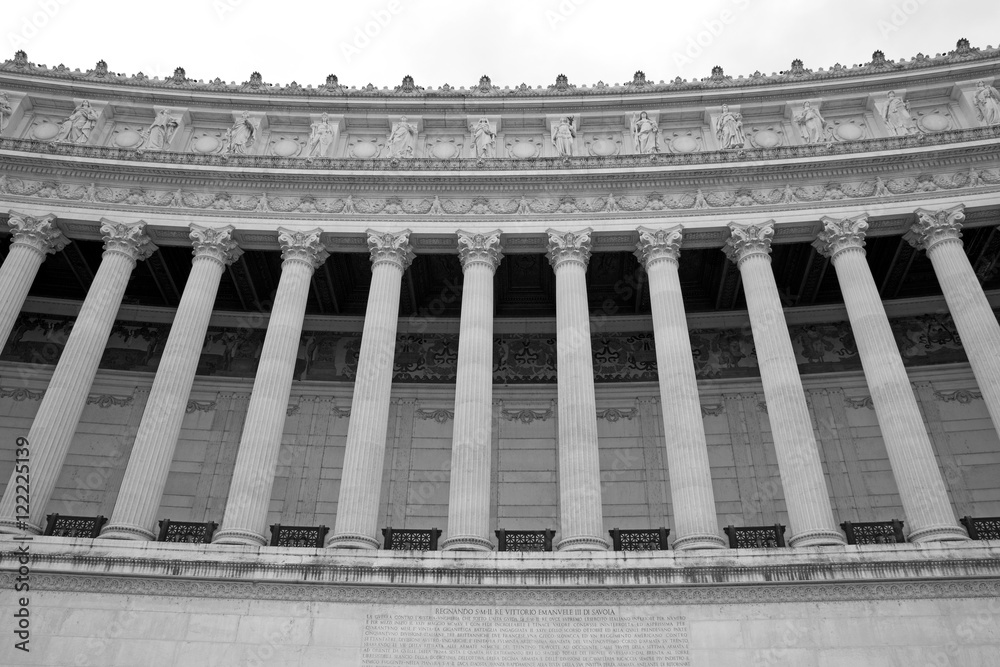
x: 457, y: 41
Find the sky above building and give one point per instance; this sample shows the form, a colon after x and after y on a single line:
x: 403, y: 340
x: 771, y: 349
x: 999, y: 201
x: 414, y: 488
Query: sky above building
x: 457, y: 41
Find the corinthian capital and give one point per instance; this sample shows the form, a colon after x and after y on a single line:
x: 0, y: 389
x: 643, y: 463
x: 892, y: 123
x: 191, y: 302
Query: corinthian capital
x: 127, y: 238
x: 748, y: 240
x: 841, y: 234
x: 933, y: 227
x: 39, y: 234
x: 659, y: 244
x: 391, y: 247
x: 480, y: 248
x: 215, y: 243
x: 302, y: 246
x: 569, y: 247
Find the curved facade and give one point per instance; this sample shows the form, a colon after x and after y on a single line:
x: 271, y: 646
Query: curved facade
x: 758, y: 312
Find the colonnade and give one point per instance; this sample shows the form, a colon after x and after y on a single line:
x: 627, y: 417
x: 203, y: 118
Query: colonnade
x: 926, y: 506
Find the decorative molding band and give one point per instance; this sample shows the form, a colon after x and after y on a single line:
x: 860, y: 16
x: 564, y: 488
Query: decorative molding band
x: 22, y: 394
x: 526, y: 416
x: 440, y: 415
x: 963, y: 396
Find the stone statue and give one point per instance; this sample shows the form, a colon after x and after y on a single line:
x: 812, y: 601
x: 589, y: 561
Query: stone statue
x: 77, y: 128
x: 160, y: 133
x: 645, y: 133
x: 401, y: 139
x: 6, y: 111
x: 811, y: 124
x: 240, y: 137
x: 484, y: 138
x: 563, y: 136
x: 987, y: 102
x: 897, y: 115
x: 729, y: 129
x: 321, y: 137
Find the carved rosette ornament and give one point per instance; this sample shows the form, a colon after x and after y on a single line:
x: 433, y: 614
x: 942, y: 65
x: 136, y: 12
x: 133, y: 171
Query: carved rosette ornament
x: 746, y: 241
x: 569, y: 247
x: 215, y: 243
x: 302, y: 247
x: 934, y: 227
x: 390, y: 247
x: 657, y: 245
x: 480, y: 249
x: 839, y: 235
x: 127, y: 238
x: 39, y: 234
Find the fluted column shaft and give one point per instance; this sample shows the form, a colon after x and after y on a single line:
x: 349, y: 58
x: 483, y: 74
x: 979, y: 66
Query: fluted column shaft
x: 692, y: 496
x: 59, y: 413
x: 928, y: 511
x: 938, y: 232
x: 145, y: 477
x: 364, y: 456
x: 469, y: 490
x: 31, y: 240
x: 580, y: 511
x: 810, y: 514
x: 245, y: 519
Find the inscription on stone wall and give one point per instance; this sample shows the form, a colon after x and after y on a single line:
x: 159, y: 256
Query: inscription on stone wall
x: 527, y: 636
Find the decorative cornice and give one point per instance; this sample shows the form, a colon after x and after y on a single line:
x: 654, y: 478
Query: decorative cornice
x: 302, y: 246
x: 39, y: 234
x: 480, y: 248
x: 934, y: 227
x: 127, y: 238
x: 215, y: 243
x: 569, y: 247
x: 747, y: 240
x: 838, y: 235
x: 659, y: 244
x: 390, y: 248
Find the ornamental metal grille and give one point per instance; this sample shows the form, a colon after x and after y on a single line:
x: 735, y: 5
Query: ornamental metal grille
x: 756, y: 537
x: 986, y: 528
x: 298, y: 536
x: 411, y: 540
x: 186, y: 531
x: 524, y: 540
x: 639, y: 540
x: 74, y: 526
x: 875, y: 532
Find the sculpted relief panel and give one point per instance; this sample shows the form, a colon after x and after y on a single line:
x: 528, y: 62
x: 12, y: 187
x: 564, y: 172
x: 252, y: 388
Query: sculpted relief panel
x: 517, y: 359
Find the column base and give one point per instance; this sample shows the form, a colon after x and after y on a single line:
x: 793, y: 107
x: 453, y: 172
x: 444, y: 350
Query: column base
x: 700, y: 541
x: 944, y: 533
x: 353, y: 541
x: 11, y: 526
x: 125, y: 531
x: 238, y: 536
x: 466, y: 543
x: 583, y: 543
x: 818, y: 538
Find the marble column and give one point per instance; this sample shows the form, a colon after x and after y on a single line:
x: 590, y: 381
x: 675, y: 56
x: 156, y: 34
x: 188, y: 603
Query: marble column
x: 695, y: 523
x: 469, y: 490
x: 58, y: 415
x: 134, y: 515
x: 31, y: 240
x: 580, y: 512
x: 807, y: 501
x: 361, y: 481
x: 939, y: 233
x: 245, y: 519
x: 928, y: 511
